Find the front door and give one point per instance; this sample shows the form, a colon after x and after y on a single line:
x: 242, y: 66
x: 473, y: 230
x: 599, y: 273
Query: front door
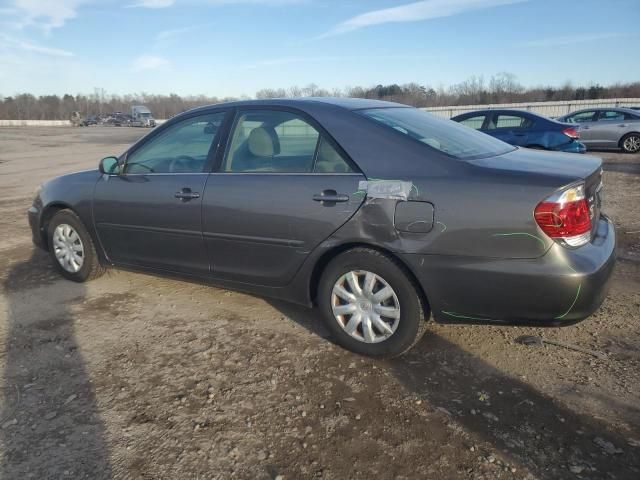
x: 149, y: 214
x: 281, y: 189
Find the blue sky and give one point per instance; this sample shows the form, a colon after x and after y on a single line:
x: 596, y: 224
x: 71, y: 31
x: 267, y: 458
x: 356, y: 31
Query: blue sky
x: 235, y: 47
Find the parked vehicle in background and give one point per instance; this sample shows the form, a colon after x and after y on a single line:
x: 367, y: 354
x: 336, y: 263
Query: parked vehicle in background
x: 607, y: 127
x: 76, y: 119
x: 524, y: 129
x: 378, y: 213
x: 141, y: 117
x: 118, y: 119
x: 91, y: 120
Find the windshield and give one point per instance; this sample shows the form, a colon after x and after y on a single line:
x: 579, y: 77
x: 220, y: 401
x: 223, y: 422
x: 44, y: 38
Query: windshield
x: 145, y: 115
x: 444, y: 135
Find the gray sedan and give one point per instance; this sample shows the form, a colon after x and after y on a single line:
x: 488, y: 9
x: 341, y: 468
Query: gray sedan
x: 607, y: 127
x: 380, y: 215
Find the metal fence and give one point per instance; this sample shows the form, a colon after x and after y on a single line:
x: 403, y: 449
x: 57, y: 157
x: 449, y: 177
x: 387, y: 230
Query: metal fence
x: 549, y: 109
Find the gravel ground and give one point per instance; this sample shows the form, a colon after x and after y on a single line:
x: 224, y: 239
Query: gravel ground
x: 134, y: 376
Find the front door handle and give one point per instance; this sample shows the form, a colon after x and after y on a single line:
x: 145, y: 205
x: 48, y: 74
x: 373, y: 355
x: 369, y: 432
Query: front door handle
x: 623, y: 125
x: 186, y: 194
x: 330, y: 196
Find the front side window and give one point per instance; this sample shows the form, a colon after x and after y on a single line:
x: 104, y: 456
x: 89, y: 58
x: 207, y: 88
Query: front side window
x: 446, y: 136
x: 181, y: 148
x: 581, y: 117
x: 271, y: 141
x: 475, y: 122
x: 513, y: 121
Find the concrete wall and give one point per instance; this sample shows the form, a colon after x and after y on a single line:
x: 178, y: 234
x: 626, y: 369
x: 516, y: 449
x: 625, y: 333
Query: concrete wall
x: 549, y: 109
x: 35, y: 123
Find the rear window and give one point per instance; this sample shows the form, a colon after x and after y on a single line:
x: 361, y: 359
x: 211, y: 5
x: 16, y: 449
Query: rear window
x: 444, y: 135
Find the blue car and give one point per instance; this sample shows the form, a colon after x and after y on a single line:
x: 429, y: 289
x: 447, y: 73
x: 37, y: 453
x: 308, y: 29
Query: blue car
x: 524, y: 129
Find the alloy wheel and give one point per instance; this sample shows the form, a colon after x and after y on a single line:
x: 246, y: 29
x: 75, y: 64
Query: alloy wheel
x: 632, y: 143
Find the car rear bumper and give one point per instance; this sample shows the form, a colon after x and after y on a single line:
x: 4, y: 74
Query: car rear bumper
x: 559, y: 288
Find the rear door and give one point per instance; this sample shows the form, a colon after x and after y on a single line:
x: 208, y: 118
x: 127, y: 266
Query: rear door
x: 281, y: 188
x: 149, y: 215
x: 511, y: 128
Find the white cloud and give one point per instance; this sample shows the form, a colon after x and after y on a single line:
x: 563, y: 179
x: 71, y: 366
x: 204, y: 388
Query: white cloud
x: 8, y: 43
x: 45, y: 14
x: 169, y: 3
x: 573, y: 39
x: 150, y: 62
x: 151, y: 4
x: 413, y: 12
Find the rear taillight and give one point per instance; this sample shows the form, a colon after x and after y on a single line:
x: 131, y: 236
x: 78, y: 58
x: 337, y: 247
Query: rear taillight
x: 565, y: 216
x: 571, y: 132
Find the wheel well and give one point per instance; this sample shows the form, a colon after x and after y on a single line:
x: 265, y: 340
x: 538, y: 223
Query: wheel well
x: 46, y: 217
x: 329, y: 255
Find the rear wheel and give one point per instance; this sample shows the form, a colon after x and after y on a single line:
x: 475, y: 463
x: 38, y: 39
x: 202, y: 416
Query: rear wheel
x: 630, y: 143
x: 370, y: 303
x: 71, y: 248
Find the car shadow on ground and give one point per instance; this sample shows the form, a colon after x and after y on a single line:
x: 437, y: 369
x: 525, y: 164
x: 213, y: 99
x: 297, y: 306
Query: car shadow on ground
x: 520, y: 424
x: 51, y: 427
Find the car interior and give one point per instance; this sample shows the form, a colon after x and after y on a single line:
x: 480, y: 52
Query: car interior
x: 278, y: 142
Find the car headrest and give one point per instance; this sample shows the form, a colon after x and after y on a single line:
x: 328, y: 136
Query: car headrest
x: 263, y: 142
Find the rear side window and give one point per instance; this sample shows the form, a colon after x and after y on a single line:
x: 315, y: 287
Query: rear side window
x: 615, y: 115
x: 513, y: 121
x: 446, y: 136
x: 473, y: 122
x: 271, y: 141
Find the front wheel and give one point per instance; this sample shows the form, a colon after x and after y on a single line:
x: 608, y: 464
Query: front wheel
x: 370, y: 303
x: 71, y: 248
x: 630, y: 143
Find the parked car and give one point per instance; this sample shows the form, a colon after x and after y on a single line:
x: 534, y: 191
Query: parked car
x: 379, y: 214
x: 524, y: 129
x: 607, y: 127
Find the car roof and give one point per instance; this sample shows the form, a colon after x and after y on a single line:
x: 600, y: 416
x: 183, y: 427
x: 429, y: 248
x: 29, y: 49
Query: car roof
x: 346, y: 103
x: 500, y: 110
x: 600, y: 109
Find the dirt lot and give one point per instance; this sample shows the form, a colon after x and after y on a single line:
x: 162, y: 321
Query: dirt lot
x: 133, y: 376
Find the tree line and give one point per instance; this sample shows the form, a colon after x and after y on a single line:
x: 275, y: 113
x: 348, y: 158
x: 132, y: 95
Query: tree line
x: 500, y: 88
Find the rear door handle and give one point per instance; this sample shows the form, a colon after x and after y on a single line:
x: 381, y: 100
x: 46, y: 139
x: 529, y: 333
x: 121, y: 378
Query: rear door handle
x: 330, y: 196
x: 623, y: 125
x: 186, y: 194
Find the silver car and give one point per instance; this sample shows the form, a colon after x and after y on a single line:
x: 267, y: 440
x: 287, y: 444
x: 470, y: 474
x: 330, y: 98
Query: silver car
x: 607, y: 127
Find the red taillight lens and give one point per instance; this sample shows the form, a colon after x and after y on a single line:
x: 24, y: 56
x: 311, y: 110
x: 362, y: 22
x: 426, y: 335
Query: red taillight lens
x: 565, y: 216
x: 571, y: 132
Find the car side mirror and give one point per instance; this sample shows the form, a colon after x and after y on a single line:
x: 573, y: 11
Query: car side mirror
x: 109, y: 165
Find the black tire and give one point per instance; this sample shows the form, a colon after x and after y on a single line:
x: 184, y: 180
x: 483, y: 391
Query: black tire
x: 91, y: 267
x: 628, y: 140
x: 412, y: 323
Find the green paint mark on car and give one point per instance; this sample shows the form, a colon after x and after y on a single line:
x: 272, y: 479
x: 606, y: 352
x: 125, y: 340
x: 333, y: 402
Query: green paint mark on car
x: 574, y: 302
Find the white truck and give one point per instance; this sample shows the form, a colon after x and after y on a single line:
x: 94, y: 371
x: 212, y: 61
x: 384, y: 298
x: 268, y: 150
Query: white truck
x: 141, y: 117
